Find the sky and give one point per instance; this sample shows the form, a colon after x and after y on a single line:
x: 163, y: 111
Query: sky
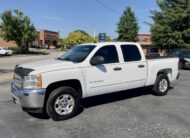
x: 69, y: 15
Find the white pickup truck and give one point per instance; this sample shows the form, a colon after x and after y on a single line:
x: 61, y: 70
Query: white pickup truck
x: 56, y: 86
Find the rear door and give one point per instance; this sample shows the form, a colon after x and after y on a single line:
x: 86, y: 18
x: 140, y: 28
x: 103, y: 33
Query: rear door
x: 134, y: 67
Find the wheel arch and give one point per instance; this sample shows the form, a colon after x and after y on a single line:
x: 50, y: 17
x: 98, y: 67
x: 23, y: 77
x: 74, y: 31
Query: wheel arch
x: 167, y: 72
x: 74, y: 83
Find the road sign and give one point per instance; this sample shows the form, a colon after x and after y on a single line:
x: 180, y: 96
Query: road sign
x: 102, y: 37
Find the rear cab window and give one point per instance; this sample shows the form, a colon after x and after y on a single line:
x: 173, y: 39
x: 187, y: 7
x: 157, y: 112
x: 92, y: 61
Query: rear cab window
x: 130, y: 53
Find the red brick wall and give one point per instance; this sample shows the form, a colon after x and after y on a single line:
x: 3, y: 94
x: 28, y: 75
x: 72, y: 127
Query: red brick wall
x: 4, y: 43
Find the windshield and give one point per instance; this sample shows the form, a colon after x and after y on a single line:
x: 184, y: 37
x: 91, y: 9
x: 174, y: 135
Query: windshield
x: 186, y: 53
x: 77, y: 54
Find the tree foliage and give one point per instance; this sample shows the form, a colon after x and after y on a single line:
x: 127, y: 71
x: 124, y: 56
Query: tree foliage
x: 75, y: 38
x: 18, y: 28
x: 171, y: 28
x: 83, y: 32
x: 78, y: 37
x: 128, y: 27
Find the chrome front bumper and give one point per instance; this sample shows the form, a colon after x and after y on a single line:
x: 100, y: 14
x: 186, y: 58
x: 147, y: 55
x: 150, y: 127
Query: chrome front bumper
x: 30, y: 100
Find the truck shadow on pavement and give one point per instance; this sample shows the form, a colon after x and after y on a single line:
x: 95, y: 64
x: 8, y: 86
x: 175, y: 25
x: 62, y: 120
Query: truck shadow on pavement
x: 114, y: 97
x: 105, y: 99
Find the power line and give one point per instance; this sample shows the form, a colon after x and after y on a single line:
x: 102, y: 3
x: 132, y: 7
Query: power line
x: 107, y: 7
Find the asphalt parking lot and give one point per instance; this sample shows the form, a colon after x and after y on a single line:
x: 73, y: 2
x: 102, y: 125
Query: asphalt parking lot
x: 9, y: 62
x: 134, y: 113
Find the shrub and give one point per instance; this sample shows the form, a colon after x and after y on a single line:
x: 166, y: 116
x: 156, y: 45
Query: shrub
x: 16, y: 49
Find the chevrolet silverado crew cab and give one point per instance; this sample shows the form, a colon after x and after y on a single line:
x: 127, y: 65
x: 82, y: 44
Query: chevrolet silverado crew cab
x: 56, y: 86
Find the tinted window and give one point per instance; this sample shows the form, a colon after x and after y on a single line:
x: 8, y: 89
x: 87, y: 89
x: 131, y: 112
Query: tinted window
x: 77, y: 54
x: 130, y: 53
x: 109, y: 53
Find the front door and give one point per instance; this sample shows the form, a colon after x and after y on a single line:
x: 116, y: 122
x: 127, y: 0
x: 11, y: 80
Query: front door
x: 104, y: 78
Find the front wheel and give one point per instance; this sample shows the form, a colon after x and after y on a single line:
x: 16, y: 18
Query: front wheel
x: 161, y: 85
x: 63, y: 103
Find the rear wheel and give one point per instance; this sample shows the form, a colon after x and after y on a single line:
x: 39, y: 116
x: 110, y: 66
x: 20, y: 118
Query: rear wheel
x: 63, y: 103
x: 161, y: 85
x: 181, y: 66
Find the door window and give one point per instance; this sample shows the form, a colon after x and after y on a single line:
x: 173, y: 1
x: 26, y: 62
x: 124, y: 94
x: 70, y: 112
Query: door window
x: 109, y: 53
x: 130, y: 53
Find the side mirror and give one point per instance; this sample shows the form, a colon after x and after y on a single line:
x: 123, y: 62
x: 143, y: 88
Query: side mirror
x: 97, y: 60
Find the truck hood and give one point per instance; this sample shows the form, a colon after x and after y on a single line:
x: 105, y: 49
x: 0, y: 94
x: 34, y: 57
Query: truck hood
x: 47, y: 65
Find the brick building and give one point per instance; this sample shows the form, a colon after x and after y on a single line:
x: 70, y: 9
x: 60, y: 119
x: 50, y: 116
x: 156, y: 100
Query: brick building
x: 145, y: 41
x: 46, y: 37
x: 6, y: 44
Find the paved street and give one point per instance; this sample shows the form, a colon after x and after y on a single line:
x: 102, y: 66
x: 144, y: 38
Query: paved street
x: 134, y: 113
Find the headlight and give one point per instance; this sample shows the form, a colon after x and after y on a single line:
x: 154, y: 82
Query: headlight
x: 32, y: 82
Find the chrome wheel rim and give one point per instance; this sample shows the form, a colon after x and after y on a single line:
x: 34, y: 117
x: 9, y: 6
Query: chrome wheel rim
x: 163, y: 85
x: 64, y: 104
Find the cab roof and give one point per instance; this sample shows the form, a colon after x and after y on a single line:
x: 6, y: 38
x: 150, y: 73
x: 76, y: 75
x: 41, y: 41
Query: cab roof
x: 109, y: 43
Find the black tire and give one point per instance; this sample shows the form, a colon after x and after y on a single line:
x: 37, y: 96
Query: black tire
x: 6, y: 54
x: 181, y: 65
x: 50, y: 105
x: 157, y: 89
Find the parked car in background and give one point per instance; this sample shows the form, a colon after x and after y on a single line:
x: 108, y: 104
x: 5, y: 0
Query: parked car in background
x: 35, y: 46
x: 152, y: 52
x: 5, y: 51
x: 46, y: 46
x: 184, y: 57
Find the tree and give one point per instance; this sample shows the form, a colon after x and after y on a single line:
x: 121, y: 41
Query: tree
x: 83, y: 32
x: 75, y: 38
x: 18, y: 28
x: 171, y: 27
x: 127, y: 27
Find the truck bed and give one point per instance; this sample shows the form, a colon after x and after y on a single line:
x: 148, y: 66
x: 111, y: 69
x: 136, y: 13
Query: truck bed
x: 161, y: 57
x: 156, y: 64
